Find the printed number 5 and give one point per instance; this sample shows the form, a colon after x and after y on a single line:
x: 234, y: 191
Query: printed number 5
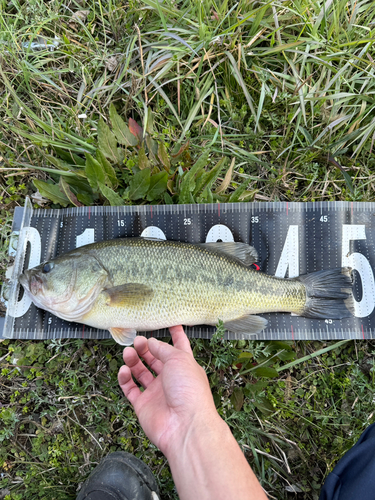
x: 359, y: 262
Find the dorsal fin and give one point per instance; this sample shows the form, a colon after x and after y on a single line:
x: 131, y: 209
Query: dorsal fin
x: 241, y: 251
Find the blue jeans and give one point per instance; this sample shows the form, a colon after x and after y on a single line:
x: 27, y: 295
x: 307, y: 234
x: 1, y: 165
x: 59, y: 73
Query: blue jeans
x: 354, y: 475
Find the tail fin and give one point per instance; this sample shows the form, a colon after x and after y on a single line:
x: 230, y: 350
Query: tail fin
x: 328, y: 294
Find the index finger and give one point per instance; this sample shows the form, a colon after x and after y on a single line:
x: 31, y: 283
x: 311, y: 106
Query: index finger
x: 180, y: 339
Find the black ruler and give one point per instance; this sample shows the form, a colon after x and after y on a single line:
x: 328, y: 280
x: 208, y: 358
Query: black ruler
x: 291, y: 239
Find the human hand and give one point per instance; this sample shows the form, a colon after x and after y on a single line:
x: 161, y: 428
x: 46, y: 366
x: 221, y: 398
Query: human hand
x: 177, y: 398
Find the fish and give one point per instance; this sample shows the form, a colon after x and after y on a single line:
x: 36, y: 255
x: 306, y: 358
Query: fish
x: 127, y: 285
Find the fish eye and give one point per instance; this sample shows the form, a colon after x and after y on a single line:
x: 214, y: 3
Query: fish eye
x: 47, y: 267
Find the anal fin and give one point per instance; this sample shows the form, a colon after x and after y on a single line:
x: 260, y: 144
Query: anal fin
x: 246, y: 324
x: 123, y: 336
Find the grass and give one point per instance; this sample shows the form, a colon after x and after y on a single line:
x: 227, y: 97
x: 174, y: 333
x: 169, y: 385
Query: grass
x: 188, y: 102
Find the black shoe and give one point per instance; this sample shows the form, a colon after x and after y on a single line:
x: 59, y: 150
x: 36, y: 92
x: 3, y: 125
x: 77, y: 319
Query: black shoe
x: 120, y: 476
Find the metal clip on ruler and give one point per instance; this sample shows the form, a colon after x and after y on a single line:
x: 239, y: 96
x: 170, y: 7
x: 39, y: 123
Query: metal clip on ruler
x: 291, y: 239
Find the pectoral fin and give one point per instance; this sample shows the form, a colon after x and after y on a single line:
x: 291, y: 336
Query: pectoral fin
x: 123, y: 336
x: 247, y: 324
x: 128, y: 294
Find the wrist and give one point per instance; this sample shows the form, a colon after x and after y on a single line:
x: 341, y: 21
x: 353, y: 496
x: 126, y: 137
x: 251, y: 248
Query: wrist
x: 202, y: 431
x: 207, y: 463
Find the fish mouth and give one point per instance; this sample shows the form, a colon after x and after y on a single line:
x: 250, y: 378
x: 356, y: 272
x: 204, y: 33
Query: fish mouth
x: 32, y: 283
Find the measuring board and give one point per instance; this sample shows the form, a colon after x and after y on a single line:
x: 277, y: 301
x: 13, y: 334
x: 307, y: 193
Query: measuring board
x: 291, y: 239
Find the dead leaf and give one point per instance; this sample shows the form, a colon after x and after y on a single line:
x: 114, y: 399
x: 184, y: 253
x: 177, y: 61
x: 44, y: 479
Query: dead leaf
x: 136, y: 129
x: 80, y: 15
x: 111, y: 63
x: 226, y: 181
x: 38, y: 198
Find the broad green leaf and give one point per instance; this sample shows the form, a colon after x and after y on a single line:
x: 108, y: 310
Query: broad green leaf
x: 266, y: 371
x: 237, y: 398
x: 114, y: 199
x: 152, y: 147
x: 139, y: 184
x: 149, y: 126
x: 143, y: 161
x: 158, y: 184
x: 264, y: 406
x: 85, y: 198
x: 120, y: 129
x: 107, y: 141
x: 94, y: 171
x: 107, y: 167
x: 188, y: 180
x: 168, y: 199
x: 65, y: 188
x: 276, y: 345
x: 79, y: 184
x: 205, y: 197
x: 244, y: 356
x: 258, y: 386
x: 52, y: 192
x: 163, y: 156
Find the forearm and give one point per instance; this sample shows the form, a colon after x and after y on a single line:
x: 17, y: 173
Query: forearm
x: 207, y: 463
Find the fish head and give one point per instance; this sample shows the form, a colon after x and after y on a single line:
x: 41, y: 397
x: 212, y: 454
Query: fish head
x: 67, y: 286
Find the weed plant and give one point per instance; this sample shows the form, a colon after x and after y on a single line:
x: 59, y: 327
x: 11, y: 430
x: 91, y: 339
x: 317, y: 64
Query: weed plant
x: 183, y: 102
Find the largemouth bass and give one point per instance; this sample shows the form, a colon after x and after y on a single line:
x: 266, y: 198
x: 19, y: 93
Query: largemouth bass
x: 142, y: 284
